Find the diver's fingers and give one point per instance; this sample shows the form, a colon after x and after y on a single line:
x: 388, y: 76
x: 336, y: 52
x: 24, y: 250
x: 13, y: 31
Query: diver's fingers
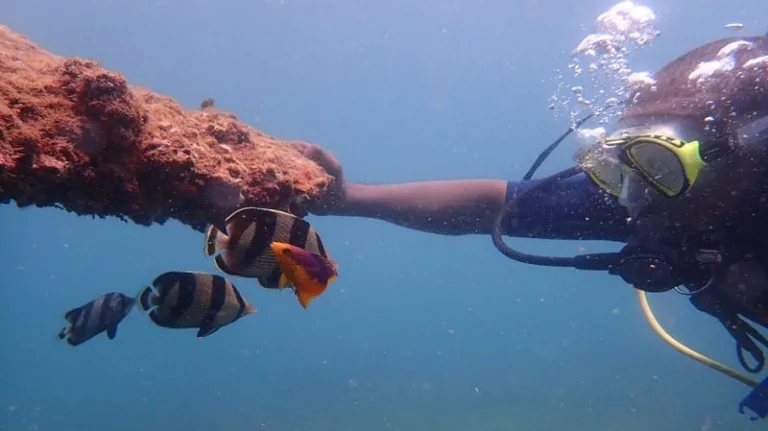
x: 325, y: 159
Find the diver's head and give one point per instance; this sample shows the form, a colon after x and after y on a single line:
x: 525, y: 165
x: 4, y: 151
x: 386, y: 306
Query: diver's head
x: 693, y: 145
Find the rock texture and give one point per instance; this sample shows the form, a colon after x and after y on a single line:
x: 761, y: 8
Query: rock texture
x: 79, y: 137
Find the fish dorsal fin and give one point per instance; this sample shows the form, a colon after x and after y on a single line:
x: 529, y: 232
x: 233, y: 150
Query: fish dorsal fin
x: 241, y: 219
x: 253, y: 212
x: 284, y: 206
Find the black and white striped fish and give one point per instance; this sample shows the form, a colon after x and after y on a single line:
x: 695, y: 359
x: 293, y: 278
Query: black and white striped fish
x: 245, y: 248
x: 179, y: 299
x: 102, y: 314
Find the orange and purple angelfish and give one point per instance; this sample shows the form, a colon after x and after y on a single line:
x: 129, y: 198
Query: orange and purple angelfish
x: 308, y: 273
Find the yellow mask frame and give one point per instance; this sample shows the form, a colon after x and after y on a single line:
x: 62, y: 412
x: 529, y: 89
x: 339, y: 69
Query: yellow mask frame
x: 669, y: 165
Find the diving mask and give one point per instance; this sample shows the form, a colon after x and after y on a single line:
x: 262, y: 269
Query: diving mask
x: 669, y: 165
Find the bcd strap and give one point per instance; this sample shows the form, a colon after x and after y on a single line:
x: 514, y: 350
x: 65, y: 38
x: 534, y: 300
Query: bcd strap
x: 711, y: 302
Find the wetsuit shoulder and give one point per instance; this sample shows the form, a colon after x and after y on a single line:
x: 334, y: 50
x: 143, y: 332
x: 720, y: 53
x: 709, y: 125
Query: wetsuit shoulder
x: 574, y: 208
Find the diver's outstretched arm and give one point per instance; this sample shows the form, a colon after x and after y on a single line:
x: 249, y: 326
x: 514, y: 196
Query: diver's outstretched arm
x: 456, y: 207
x: 574, y: 208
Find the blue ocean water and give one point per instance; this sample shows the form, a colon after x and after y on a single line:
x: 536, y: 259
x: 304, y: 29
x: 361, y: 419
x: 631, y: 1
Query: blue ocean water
x: 420, y: 331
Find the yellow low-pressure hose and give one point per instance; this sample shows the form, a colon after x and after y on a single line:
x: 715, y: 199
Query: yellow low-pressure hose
x: 685, y: 349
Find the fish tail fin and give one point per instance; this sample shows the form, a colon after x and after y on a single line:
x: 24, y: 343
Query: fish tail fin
x: 224, y: 263
x: 70, y: 315
x: 146, y: 299
x: 130, y: 304
x: 249, y: 309
x: 215, y: 240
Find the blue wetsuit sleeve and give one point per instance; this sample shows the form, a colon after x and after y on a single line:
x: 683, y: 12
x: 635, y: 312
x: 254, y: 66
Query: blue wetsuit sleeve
x: 574, y: 208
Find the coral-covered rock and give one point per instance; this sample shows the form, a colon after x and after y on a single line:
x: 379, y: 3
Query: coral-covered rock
x: 77, y: 136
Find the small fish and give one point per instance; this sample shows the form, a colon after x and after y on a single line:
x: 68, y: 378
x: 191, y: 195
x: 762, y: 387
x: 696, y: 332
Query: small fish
x: 244, y: 248
x: 102, y: 314
x: 179, y: 299
x: 308, y: 273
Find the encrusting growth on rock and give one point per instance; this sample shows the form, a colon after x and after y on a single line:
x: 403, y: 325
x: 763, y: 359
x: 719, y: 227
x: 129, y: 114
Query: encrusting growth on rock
x: 79, y: 137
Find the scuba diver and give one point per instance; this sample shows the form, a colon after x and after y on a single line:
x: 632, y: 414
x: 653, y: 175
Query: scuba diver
x: 682, y: 182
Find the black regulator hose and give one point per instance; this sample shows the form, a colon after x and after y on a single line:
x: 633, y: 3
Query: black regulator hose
x: 512, y: 208
x: 594, y: 261
x: 547, y: 151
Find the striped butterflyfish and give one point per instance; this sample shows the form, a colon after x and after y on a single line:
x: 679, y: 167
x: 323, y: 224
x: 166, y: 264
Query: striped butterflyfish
x: 102, y: 314
x: 244, y: 249
x: 180, y: 299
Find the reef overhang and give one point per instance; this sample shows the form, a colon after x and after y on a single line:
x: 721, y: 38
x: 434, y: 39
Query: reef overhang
x: 80, y: 137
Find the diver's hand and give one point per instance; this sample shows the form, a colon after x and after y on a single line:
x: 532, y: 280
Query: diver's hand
x: 336, y: 196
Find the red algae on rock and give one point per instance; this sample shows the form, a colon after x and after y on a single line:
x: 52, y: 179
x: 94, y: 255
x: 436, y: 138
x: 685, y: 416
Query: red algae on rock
x: 79, y: 137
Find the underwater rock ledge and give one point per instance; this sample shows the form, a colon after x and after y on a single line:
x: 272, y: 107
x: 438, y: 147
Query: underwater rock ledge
x: 79, y: 137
